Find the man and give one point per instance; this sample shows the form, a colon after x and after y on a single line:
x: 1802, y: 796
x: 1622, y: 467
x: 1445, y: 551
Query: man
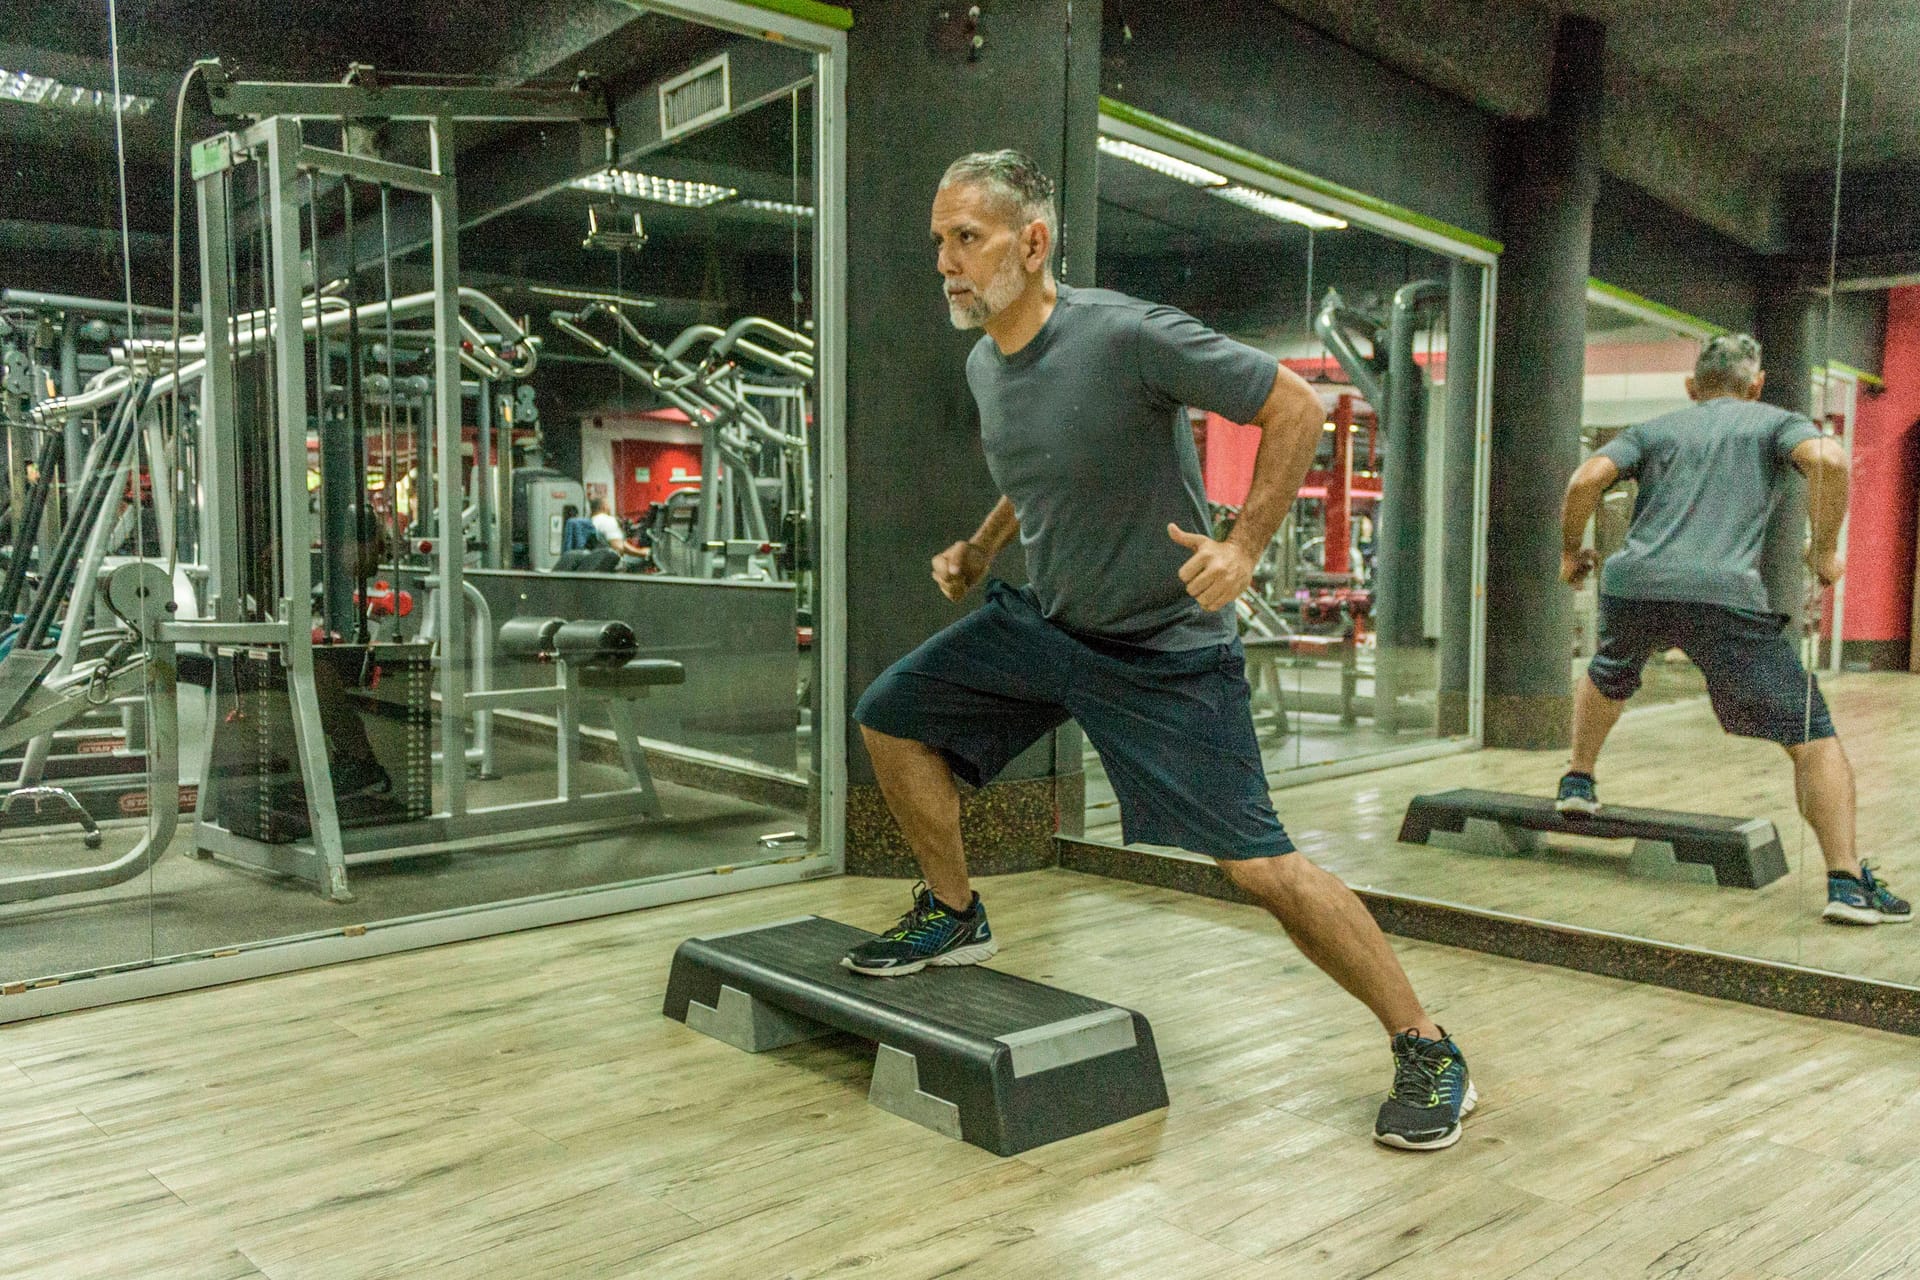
x: 1127, y: 626
x: 1689, y: 578
x: 608, y: 526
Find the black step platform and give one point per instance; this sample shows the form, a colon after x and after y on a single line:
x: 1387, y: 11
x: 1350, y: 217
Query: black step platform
x: 973, y: 1053
x: 1739, y: 853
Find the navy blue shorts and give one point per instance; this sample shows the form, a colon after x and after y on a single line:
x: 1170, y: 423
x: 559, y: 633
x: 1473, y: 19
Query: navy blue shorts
x: 1754, y: 676
x: 1175, y: 729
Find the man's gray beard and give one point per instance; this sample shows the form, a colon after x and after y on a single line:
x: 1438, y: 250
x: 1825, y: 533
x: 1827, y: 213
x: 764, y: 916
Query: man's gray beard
x: 1007, y: 282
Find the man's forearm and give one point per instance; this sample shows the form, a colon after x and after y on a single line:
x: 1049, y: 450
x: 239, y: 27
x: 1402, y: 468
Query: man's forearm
x: 997, y: 530
x: 1287, y: 446
x: 1827, y: 506
x: 1575, y: 514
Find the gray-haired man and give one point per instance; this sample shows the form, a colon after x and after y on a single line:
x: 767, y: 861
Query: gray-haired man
x: 1126, y: 627
x: 1689, y: 578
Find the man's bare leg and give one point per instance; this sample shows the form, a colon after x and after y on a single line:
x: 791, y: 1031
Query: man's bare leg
x: 1594, y: 715
x: 919, y: 789
x: 1332, y: 928
x: 1823, y: 785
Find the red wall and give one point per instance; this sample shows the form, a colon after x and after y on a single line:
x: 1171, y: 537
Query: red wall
x: 660, y: 459
x: 1886, y: 485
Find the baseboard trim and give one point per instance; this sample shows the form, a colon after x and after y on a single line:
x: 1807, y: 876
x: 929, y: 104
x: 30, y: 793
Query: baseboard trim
x: 1815, y: 993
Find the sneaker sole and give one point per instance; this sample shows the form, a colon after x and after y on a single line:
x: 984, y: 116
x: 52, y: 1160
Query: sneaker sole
x: 1841, y: 913
x: 1445, y: 1140
x: 1574, y: 807
x: 960, y: 955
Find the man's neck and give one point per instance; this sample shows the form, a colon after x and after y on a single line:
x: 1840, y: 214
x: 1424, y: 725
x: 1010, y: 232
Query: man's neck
x: 1015, y: 327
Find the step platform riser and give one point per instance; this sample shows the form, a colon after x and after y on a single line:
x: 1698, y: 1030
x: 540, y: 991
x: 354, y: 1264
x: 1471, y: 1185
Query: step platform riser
x: 971, y: 1053
x: 1699, y: 848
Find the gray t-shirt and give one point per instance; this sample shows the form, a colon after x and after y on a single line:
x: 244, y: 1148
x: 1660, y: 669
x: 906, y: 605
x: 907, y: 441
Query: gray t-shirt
x: 1710, y: 476
x: 1085, y: 431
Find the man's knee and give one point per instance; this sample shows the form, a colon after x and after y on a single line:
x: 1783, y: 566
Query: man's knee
x: 1276, y: 882
x: 1614, y: 681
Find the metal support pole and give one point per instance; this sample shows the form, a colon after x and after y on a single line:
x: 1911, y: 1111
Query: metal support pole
x: 1338, y: 554
x: 451, y: 545
x: 284, y: 190
x: 219, y: 448
x: 483, y: 473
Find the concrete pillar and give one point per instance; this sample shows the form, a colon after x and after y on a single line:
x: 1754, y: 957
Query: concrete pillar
x: 919, y: 94
x: 1457, y: 466
x: 1547, y: 185
x: 1785, y: 322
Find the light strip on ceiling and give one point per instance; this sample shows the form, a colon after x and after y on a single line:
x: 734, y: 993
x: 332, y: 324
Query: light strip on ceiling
x: 645, y: 186
x: 31, y: 90
x: 1265, y: 202
x: 780, y: 207
x: 1160, y: 162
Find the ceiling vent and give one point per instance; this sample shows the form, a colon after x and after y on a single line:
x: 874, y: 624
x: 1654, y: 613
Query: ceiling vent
x: 695, y: 97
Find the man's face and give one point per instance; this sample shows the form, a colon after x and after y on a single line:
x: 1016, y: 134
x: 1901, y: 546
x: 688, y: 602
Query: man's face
x: 979, y: 255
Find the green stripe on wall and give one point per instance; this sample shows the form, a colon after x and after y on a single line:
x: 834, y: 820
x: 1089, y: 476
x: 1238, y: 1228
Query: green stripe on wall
x: 1658, y: 308
x: 827, y: 15
x: 1287, y: 173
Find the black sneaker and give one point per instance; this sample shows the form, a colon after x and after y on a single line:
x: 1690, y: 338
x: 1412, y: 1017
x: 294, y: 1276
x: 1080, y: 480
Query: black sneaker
x: 1431, y: 1093
x: 1893, y: 910
x: 1577, y: 796
x: 1863, y: 901
x: 928, y: 934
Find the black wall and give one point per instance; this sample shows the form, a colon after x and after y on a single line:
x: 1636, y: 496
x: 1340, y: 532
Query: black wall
x: 915, y: 468
x: 1643, y: 245
x: 1248, y: 74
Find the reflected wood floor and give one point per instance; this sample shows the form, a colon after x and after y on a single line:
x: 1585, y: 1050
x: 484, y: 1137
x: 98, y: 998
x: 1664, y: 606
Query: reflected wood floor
x: 1664, y: 757
x: 517, y: 1107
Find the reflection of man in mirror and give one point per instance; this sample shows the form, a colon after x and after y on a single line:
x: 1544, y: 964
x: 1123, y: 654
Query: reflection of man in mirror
x: 608, y: 526
x: 1689, y: 578
x: 1128, y: 625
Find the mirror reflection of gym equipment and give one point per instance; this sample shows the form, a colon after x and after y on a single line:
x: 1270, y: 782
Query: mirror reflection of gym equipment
x: 445, y: 703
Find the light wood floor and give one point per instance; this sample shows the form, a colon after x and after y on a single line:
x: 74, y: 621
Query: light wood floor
x: 1667, y: 757
x: 518, y: 1108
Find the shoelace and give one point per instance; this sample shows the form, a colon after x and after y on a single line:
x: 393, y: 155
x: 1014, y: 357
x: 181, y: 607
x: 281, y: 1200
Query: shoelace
x: 917, y: 921
x: 1416, y: 1076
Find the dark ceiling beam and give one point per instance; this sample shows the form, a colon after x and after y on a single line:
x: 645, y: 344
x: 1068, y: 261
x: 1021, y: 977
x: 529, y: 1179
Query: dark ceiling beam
x: 1496, y: 55
x: 23, y: 235
x: 535, y: 163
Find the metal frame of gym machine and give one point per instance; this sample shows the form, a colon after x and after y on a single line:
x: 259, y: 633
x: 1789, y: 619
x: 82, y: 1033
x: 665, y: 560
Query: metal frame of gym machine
x: 275, y: 143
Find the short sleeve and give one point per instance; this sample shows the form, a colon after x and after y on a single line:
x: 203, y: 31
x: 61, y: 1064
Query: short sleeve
x: 1188, y: 363
x: 1624, y: 451
x: 1790, y: 433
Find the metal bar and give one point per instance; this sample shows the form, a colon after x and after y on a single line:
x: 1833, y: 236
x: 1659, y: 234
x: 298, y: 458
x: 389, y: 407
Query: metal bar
x: 367, y: 169
x: 483, y: 472
x: 92, y: 306
x: 295, y: 533
x: 452, y: 542
x: 830, y: 382
x: 515, y: 699
x: 583, y: 101
x: 219, y: 490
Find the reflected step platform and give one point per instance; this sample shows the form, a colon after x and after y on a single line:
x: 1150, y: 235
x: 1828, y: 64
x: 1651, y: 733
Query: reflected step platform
x: 971, y: 1052
x: 1700, y: 848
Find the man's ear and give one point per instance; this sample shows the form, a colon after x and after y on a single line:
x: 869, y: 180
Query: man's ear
x: 1692, y: 392
x: 1759, y: 381
x: 1038, y: 246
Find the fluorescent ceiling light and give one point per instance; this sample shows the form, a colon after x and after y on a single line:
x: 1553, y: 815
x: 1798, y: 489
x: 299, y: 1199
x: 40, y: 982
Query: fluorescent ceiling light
x: 1147, y: 158
x: 645, y: 186
x: 780, y: 207
x: 1285, y: 210
x: 44, y: 91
